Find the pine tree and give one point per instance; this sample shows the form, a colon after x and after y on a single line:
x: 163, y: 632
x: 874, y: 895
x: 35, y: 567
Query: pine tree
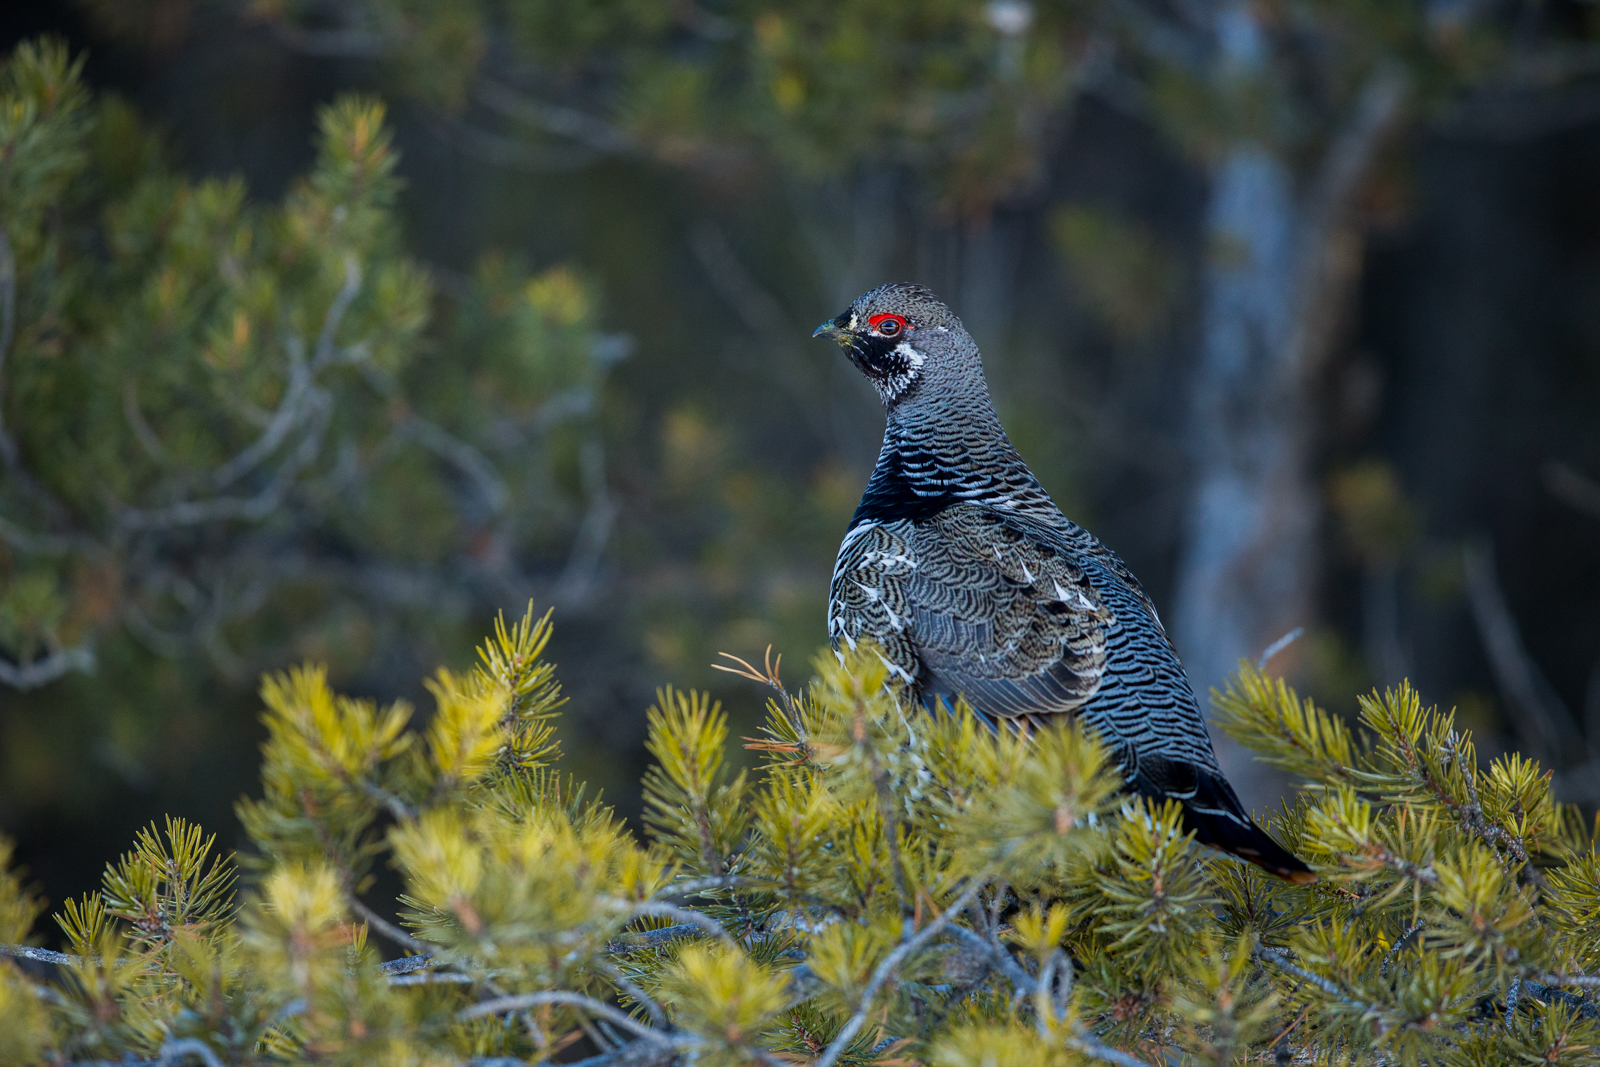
x: 223, y: 421
x: 889, y: 886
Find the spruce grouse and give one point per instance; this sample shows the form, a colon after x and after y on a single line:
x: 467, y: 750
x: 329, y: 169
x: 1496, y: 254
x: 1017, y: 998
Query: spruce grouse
x: 961, y: 567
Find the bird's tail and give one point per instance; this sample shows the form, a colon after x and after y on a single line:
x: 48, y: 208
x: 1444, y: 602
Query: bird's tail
x: 1216, y: 818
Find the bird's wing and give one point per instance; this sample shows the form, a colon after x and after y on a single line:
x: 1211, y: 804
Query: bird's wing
x: 867, y: 599
x: 1001, y: 617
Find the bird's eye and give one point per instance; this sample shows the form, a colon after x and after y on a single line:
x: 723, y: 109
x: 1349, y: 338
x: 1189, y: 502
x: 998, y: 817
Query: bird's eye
x: 887, y: 325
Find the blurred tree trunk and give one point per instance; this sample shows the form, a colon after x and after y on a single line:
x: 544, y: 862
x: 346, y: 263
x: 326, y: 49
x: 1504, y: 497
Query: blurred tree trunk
x: 1247, y: 556
x: 1281, y: 256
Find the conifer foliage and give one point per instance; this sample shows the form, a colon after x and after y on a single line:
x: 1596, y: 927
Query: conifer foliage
x: 217, y: 414
x: 887, y: 886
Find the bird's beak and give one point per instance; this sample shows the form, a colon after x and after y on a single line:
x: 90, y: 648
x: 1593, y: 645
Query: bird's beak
x: 837, y: 330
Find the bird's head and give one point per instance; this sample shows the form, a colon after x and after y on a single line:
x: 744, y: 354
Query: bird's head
x: 901, y: 337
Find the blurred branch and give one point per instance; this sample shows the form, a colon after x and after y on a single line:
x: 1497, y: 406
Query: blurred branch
x: 1177, y: 33
x: 502, y: 151
x: 9, y: 454
x: 390, y: 931
x: 341, y: 43
x: 646, y: 940
x: 1382, y: 644
x: 304, y: 405
x: 555, y: 119
x: 577, y: 578
x: 326, y: 348
x: 180, y: 1049
x: 599, y: 1009
x: 44, y: 671
x: 764, y: 316
x: 1566, y: 484
x: 301, y: 386
x: 1545, y: 724
x: 685, y: 917
x: 463, y: 457
x: 142, y: 430
x: 1327, y: 270
x: 318, y: 407
x: 37, y: 544
x: 1079, y: 1038
x: 40, y: 955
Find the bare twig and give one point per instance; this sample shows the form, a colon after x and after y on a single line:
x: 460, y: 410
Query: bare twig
x: 284, y: 419
x: 1324, y: 278
x: 658, y: 909
x: 1589, y: 981
x: 397, y: 807
x: 628, y: 986
x: 407, y: 964
x: 1278, y: 646
x: 644, y: 940
x: 1084, y: 1042
x: 327, y: 348
x: 696, y: 886
x: 1399, y: 943
x: 1049, y: 1002
x: 524, y: 1001
x: 432, y: 978
x: 389, y: 930
x: 176, y: 1051
x: 1281, y: 960
x: 319, y: 408
x: 40, y: 955
x: 143, y: 432
x: 1021, y: 982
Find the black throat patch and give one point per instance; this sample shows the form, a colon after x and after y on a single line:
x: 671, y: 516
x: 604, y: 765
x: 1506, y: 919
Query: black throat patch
x: 892, y: 496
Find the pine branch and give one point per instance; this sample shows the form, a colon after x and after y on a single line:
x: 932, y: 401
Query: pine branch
x: 891, y: 964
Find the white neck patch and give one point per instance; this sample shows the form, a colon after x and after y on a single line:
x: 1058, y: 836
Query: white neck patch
x: 891, y: 387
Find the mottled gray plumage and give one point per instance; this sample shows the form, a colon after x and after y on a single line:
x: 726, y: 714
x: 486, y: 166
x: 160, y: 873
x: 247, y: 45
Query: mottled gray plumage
x: 959, y: 565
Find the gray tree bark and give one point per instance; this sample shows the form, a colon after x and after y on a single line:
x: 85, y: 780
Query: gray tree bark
x: 1280, y: 263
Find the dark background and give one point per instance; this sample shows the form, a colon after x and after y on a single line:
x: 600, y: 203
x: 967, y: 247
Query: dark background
x: 1466, y: 369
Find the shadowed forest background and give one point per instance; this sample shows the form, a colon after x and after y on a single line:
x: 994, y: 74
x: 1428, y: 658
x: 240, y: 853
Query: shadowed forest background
x: 1295, y: 305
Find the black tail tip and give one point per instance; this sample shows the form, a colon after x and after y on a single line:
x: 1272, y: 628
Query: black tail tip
x: 1250, y: 843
